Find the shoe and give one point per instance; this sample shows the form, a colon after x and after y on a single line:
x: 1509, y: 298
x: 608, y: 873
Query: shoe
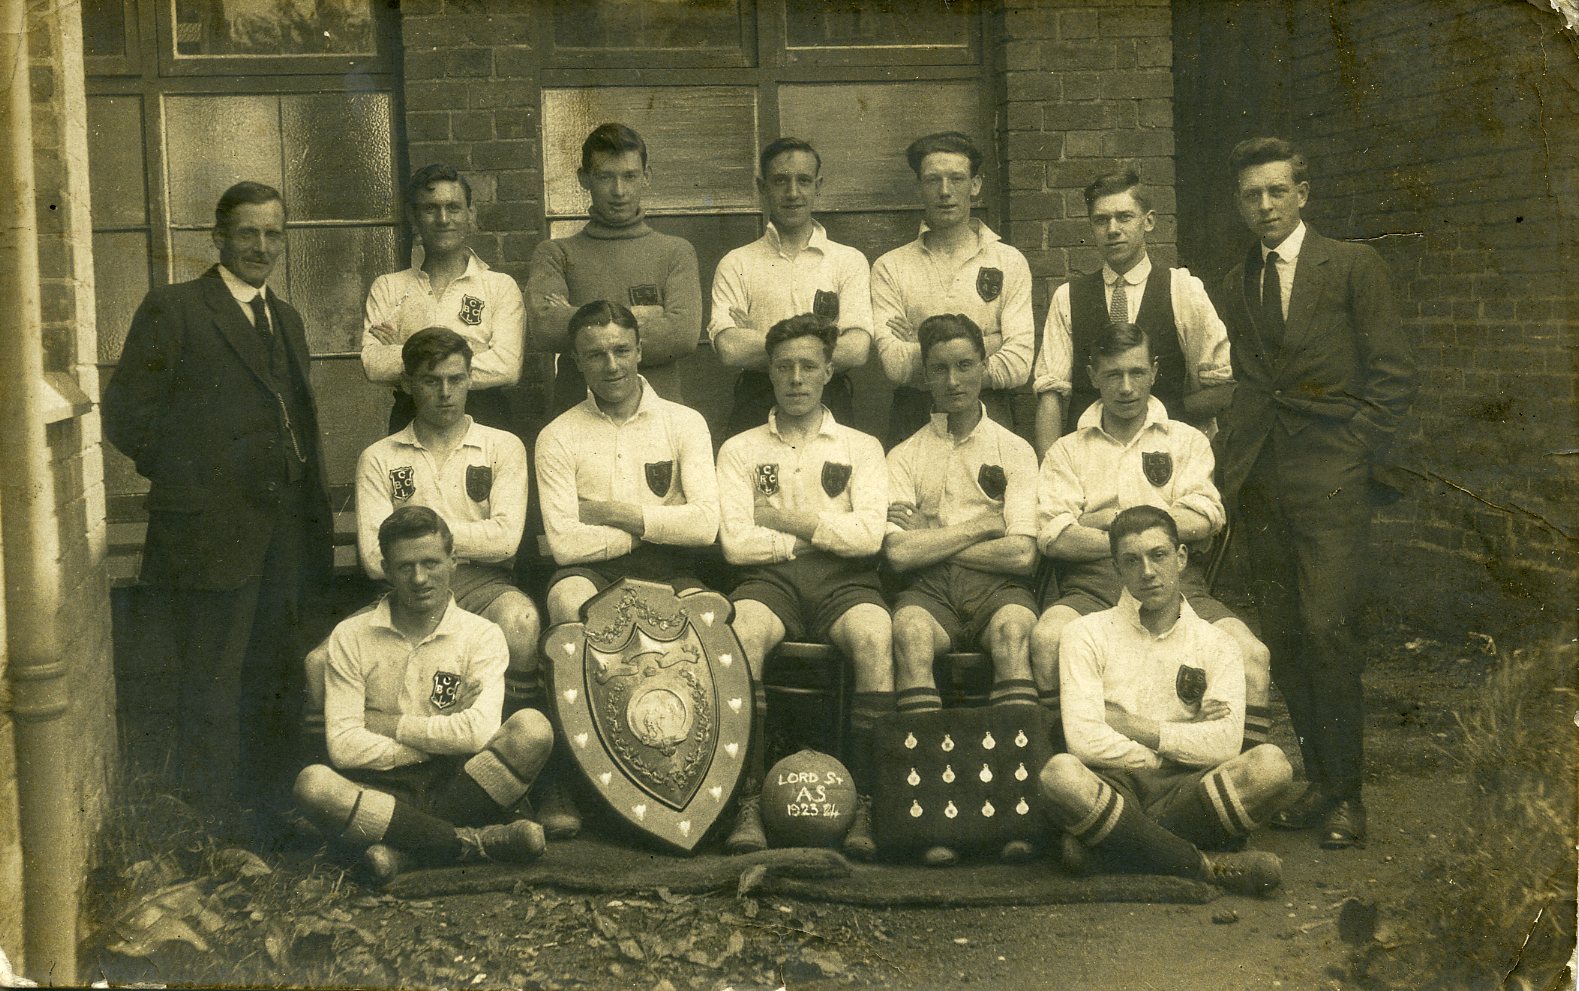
x: 518, y: 842
x: 1074, y: 856
x: 1306, y: 812
x: 558, y: 813
x: 1254, y: 872
x: 1017, y: 852
x: 747, y: 836
x: 858, y: 842
x: 384, y: 863
x: 1344, y: 826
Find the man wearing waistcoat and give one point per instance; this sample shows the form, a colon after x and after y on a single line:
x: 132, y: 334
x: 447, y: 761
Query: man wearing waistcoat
x: 1325, y: 373
x: 1194, y: 380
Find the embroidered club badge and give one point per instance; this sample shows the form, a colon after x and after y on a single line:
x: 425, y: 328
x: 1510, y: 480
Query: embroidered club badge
x: 402, y: 483
x: 989, y: 284
x: 1157, y: 466
x: 834, y: 477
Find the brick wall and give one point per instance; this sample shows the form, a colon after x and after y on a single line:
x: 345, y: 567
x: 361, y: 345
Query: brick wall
x: 66, y: 284
x: 1088, y: 86
x: 1443, y: 132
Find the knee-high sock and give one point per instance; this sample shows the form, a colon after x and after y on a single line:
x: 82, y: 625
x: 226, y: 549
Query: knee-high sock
x: 1216, y: 817
x: 1048, y: 697
x: 524, y: 689
x: 484, y: 788
x: 1014, y: 691
x: 378, y: 817
x: 756, y: 768
x: 1258, y: 723
x: 923, y: 699
x: 1130, y: 840
x: 866, y: 710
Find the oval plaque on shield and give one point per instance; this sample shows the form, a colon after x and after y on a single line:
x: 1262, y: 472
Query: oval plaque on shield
x: 653, y: 694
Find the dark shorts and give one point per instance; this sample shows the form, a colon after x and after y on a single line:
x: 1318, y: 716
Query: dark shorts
x: 754, y: 398
x: 1092, y: 586
x: 649, y: 562
x: 1168, y: 795
x: 811, y: 592
x: 420, y: 785
x: 476, y: 586
x: 964, y: 600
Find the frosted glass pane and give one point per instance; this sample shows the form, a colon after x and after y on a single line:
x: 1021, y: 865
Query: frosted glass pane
x: 352, y: 414
x: 120, y: 280
x: 193, y: 253
x: 701, y: 143
x: 115, y: 161
x: 877, y: 23
x: 213, y: 142
x: 269, y: 27
x: 862, y: 130
x: 647, y: 24
x: 330, y: 272
x: 103, y: 27
x: 338, y: 156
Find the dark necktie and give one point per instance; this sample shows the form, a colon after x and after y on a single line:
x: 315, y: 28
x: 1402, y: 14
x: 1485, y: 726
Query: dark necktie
x: 260, y: 317
x: 1118, y: 308
x: 1271, y: 302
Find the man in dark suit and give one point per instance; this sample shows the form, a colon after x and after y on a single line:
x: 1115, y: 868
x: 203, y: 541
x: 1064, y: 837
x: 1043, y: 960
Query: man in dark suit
x: 1325, y: 373
x: 213, y: 403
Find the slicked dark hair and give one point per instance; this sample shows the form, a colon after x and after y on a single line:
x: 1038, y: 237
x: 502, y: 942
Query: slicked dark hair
x: 427, y: 176
x: 411, y: 523
x: 601, y: 313
x: 1260, y: 151
x: 431, y: 345
x: 1115, y: 339
x: 943, y: 327
x: 1139, y: 519
x: 945, y: 142
x: 783, y: 146
x: 1115, y: 182
x: 804, y: 325
x: 240, y: 194
x: 611, y: 139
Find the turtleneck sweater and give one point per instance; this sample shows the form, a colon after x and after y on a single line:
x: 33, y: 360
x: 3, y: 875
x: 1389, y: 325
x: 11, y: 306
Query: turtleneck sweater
x: 652, y: 273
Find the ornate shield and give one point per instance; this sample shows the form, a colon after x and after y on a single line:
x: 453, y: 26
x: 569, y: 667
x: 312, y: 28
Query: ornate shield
x: 826, y: 304
x: 479, y: 482
x: 1190, y: 683
x: 660, y: 475
x: 989, y: 283
x: 1157, y: 466
x: 992, y: 480
x: 654, y: 697
x: 834, y: 477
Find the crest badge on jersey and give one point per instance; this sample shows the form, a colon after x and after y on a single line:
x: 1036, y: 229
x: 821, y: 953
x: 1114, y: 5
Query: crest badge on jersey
x: 471, y: 310
x: 1190, y: 683
x: 646, y: 295
x: 768, y: 479
x: 479, y: 482
x: 834, y: 477
x: 446, y: 687
x: 994, y: 483
x: 1157, y: 466
x: 654, y: 696
x: 826, y: 304
x: 402, y: 483
x: 989, y: 284
x: 660, y: 476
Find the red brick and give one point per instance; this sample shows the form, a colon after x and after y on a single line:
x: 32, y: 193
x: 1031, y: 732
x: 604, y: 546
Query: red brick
x: 520, y: 123
x: 1097, y: 53
x: 448, y: 63
x: 471, y: 125
x: 1082, y: 85
x: 502, y: 94
x: 429, y: 125
x: 1078, y: 24
x: 1137, y: 143
x: 1019, y: 56
x: 1027, y: 145
x: 1140, y: 84
x: 504, y: 154
x: 1036, y: 206
x: 1120, y: 22
x: 1083, y: 144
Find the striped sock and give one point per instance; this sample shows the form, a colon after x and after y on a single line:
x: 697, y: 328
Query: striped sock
x: 865, y: 710
x: 1258, y: 724
x: 918, y: 700
x: 1132, y: 840
x: 1014, y: 691
x: 486, y: 786
x: 1217, y: 817
x: 378, y: 817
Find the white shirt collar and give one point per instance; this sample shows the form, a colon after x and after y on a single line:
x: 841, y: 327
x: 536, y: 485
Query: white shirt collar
x: 819, y: 237
x: 383, y: 617
x: 646, y: 404
x: 1289, y: 250
x: 939, y: 425
x: 1137, y: 275
x: 408, y: 435
x: 241, y: 291
x: 984, y: 235
x: 826, y: 428
x: 474, y: 264
x: 1129, y: 607
x: 1156, y: 415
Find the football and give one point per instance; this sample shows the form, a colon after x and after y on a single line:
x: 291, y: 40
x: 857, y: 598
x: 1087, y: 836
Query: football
x: 808, y: 799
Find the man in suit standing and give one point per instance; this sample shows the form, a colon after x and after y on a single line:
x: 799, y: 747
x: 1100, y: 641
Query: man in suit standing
x: 1325, y: 374
x: 213, y: 403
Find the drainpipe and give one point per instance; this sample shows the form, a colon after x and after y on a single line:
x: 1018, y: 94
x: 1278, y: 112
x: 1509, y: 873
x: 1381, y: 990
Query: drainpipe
x: 29, y: 530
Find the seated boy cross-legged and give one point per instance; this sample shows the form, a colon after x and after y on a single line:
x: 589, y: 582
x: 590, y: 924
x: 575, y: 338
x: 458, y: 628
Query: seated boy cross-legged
x: 420, y: 763
x: 1153, y: 712
x: 962, y: 526
x: 803, y: 500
